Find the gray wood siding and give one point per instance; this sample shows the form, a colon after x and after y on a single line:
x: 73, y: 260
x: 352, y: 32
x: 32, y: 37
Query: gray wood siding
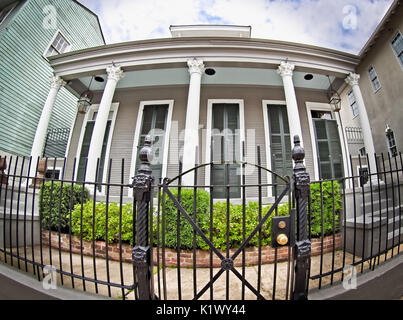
x: 25, y: 73
x: 129, y: 101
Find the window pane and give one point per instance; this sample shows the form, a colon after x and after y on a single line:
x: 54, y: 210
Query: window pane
x: 60, y: 44
x: 160, y: 117
x: 50, y: 52
x: 325, y: 170
x: 398, y: 43
x: 147, y: 120
x: 376, y: 83
x: 232, y: 112
x: 321, y: 130
x: 274, y: 120
x: 218, y: 117
x: 351, y: 98
x: 354, y: 108
x: 372, y: 73
x: 324, y: 151
x: 321, y: 115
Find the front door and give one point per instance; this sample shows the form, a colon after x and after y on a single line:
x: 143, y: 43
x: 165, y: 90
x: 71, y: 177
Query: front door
x: 89, y: 128
x: 329, y: 153
x: 226, y: 146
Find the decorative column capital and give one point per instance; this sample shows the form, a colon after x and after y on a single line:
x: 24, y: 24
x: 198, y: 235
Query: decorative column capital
x: 353, y: 79
x: 196, y: 66
x: 285, y: 69
x: 56, y: 82
x: 114, y: 72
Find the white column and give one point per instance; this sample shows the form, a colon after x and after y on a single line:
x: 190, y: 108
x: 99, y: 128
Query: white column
x: 285, y: 70
x: 95, y: 149
x: 37, y: 147
x: 353, y: 80
x: 191, y: 139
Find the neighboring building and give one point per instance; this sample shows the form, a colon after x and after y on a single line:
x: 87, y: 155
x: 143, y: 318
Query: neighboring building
x: 31, y: 32
x: 381, y: 83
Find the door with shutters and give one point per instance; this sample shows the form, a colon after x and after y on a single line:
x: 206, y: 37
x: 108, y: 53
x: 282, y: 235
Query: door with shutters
x: 226, y: 145
x: 154, y: 123
x: 280, y: 142
x: 328, y: 146
x: 89, y: 128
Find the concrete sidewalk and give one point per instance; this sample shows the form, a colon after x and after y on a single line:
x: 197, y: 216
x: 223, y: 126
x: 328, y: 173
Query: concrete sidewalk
x: 124, y: 274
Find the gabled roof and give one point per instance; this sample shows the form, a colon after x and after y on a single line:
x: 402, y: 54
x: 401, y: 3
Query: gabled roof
x: 381, y: 26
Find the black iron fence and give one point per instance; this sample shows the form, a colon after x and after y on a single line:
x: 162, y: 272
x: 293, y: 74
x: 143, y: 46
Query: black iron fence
x: 167, y: 240
x: 360, y: 219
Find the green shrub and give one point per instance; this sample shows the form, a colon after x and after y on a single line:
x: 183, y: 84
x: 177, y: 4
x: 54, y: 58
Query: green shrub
x: 186, y: 229
x: 331, y: 202
x: 52, y: 197
x: 98, y: 229
x: 219, y: 225
x: 236, y: 224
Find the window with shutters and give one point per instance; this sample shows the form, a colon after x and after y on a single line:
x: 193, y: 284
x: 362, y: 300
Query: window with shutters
x: 280, y: 143
x: 391, y: 141
x: 154, y: 122
x: 226, y: 145
x: 373, y: 76
x: 85, y: 141
x: 397, y: 45
x: 329, y: 152
x: 353, y: 103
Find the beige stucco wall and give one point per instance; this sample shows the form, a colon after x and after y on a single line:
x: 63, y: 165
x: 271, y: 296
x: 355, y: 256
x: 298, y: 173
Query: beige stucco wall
x: 386, y: 105
x: 129, y: 101
x: 349, y: 120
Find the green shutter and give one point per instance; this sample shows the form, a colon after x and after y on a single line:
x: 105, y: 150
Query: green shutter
x: 154, y: 118
x: 280, y: 143
x: 328, y: 147
x: 89, y: 128
x: 226, y: 146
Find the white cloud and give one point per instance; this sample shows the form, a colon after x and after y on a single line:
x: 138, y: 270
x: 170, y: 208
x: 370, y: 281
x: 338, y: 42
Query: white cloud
x: 315, y: 22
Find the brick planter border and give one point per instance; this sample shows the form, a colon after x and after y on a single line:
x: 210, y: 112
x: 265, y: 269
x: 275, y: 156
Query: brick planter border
x: 186, y: 256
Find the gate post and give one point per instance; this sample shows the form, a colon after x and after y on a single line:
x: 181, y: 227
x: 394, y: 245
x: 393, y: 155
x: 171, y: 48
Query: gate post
x: 142, y: 193
x: 302, y: 252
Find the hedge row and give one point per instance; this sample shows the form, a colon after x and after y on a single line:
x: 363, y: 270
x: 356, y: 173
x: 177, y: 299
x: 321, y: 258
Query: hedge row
x: 90, y: 226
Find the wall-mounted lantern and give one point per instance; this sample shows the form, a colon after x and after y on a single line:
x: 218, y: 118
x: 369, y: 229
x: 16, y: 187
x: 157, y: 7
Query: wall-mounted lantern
x: 334, y: 98
x: 391, y: 141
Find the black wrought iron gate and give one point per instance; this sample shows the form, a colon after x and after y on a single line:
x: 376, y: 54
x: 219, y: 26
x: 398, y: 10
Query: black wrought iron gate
x: 188, y: 241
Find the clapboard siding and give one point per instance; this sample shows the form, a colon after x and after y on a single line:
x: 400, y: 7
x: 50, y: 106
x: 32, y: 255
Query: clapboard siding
x: 25, y: 73
x: 129, y: 101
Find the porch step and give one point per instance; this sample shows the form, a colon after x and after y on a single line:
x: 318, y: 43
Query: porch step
x: 377, y: 205
x: 395, y: 234
x: 384, y: 216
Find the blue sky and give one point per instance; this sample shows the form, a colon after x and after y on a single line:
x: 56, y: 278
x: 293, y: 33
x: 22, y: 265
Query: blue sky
x: 343, y: 25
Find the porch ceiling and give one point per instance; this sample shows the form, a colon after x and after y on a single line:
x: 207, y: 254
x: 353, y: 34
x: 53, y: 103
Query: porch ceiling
x: 223, y: 75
